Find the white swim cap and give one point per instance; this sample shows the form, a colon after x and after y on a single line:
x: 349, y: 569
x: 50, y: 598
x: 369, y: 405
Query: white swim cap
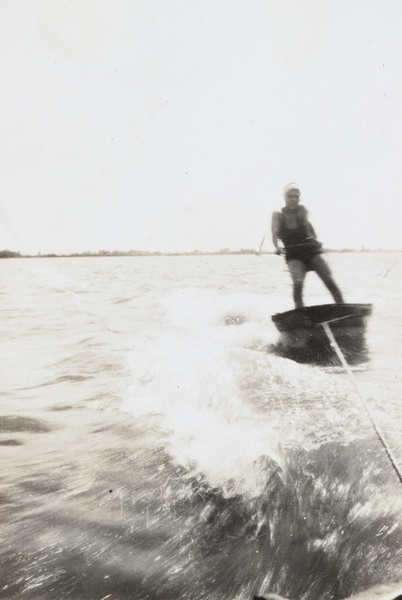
x: 290, y: 186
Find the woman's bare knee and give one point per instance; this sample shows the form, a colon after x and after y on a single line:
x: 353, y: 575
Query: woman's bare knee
x: 321, y: 267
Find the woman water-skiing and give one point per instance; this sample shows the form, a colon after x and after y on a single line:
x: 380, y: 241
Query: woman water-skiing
x: 303, y: 252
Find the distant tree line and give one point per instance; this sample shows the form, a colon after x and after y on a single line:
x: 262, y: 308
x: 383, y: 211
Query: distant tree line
x: 9, y: 254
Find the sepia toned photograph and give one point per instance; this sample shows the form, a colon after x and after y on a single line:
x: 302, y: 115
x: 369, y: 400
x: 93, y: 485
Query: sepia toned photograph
x: 201, y: 296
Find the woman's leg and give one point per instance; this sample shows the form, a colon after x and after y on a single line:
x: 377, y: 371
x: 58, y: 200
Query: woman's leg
x: 322, y: 269
x: 298, y: 271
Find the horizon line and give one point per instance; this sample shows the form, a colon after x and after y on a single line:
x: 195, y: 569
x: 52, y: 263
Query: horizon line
x: 222, y: 252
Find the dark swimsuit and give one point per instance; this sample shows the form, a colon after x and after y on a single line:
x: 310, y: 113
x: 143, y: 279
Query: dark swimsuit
x: 299, y: 243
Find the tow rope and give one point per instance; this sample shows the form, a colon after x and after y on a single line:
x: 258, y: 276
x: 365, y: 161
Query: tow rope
x: 366, y: 407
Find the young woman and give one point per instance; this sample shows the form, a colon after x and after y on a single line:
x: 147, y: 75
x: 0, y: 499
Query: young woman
x: 303, y: 252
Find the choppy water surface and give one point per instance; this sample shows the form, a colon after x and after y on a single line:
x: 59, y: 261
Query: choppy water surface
x: 153, y: 446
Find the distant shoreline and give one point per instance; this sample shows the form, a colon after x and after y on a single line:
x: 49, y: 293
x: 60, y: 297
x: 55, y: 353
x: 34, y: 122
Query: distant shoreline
x: 225, y: 252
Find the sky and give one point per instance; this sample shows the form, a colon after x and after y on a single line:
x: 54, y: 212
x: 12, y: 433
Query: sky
x: 173, y: 125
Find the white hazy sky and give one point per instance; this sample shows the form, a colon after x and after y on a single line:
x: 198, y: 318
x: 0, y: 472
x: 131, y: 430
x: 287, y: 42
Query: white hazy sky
x: 173, y: 125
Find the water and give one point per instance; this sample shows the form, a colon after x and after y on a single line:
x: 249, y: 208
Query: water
x: 154, y: 447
